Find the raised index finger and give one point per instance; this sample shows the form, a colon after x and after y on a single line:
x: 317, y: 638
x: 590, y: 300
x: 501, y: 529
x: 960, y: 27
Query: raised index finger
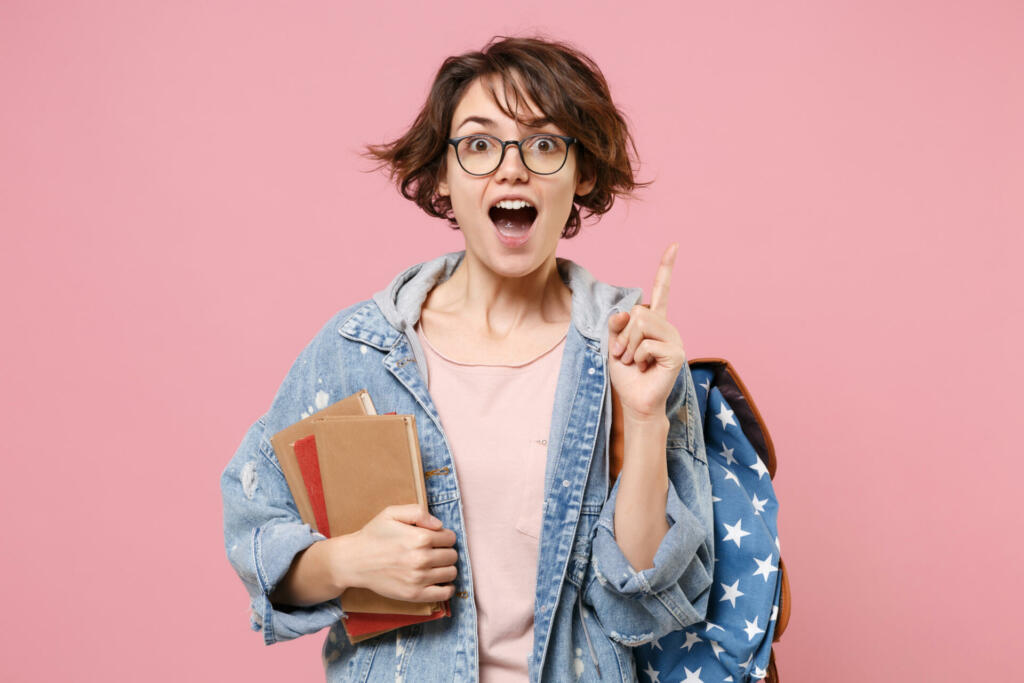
x: 659, y: 295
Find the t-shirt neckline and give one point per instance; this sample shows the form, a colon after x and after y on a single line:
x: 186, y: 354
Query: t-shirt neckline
x: 426, y: 342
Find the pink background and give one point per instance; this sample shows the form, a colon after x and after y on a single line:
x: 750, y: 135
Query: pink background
x: 183, y: 207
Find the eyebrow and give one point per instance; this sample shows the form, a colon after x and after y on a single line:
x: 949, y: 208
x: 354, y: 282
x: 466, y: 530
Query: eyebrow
x: 484, y: 121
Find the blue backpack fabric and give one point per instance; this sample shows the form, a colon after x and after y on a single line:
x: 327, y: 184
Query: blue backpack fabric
x: 735, y: 642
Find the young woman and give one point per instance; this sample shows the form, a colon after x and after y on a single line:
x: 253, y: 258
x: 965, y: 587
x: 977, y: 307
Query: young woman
x: 508, y: 357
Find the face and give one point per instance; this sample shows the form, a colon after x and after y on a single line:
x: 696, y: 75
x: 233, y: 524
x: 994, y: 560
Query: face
x: 508, y: 248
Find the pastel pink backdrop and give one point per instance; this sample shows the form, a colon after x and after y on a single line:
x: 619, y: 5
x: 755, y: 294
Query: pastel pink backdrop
x: 183, y: 207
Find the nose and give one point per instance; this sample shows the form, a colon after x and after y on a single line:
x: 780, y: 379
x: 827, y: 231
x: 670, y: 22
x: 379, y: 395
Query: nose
x: 511, y: 167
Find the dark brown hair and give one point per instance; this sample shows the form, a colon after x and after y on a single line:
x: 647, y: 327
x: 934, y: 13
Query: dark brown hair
x: 571, y: 92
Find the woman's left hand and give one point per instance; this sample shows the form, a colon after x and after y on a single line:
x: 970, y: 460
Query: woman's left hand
x: 645, y: 351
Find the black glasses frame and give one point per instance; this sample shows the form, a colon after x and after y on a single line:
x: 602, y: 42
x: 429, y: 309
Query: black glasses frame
x: 569, y: 141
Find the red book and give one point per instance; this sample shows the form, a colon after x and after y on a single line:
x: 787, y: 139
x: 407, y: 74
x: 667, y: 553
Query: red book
x: 371, y: 624
x: 309, y: 465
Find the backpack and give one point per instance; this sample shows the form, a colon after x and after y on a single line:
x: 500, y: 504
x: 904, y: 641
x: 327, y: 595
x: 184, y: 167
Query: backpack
x: 749, y: 605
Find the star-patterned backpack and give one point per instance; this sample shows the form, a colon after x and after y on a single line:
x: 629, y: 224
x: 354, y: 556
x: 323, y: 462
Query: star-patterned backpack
x: 749, y: 605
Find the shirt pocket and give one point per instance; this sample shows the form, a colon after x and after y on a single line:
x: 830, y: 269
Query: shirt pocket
x: 531, y: 488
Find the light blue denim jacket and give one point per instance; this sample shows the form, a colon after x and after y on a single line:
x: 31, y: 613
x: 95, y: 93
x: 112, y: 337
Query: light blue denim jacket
x: 591, y: 606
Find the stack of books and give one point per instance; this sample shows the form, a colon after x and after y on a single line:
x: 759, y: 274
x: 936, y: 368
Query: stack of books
x: 344, y: 464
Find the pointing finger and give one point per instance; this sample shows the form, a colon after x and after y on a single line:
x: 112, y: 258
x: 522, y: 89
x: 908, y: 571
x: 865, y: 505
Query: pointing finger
x: 659, y: 294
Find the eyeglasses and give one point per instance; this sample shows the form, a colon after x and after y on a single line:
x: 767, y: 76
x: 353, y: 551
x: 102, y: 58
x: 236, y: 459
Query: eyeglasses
x: 543, y: 154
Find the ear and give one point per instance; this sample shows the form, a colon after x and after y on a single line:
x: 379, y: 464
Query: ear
x: 585, y: 184
x: 441, y: 176
x: 442, y: 180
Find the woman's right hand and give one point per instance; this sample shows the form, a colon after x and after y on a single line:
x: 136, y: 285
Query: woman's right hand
x: 403, y: 553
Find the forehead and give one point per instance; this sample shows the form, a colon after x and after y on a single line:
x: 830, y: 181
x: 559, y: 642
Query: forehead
x: 490, y: 97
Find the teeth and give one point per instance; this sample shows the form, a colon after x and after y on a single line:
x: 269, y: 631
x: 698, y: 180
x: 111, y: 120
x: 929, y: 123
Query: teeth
x: 512, y: 204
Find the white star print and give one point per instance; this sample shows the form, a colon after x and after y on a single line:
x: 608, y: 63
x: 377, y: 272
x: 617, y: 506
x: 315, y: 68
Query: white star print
x: 760, y: 469
x: 732, y: 592
x: 711, y: 626
x: 765, y: 567
x: 729, y: 474
x: 775, y: 613
x: 716, y: 499
x: 653, y: 673
x: 736, y: 532
x: 752, y: 630
x: 746, y: 665
x: 706, y: 384
x: 758, y: 504
x: 656, y: 644
x: 692, y: 676
x: 727, y: 679
x: 725, y: 415
x: 691, y: 640
x: 727, y: 454
x: 777, y: 546
x: 716, y: 648
x: 759, y: 673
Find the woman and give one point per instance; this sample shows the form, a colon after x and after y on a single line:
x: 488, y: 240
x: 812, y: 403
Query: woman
x: 507, y: 356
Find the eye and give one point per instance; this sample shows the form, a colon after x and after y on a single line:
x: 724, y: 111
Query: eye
x: 478, y: 144
x: 545, y: 144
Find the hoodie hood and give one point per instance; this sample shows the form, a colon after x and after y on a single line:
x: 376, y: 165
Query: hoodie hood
x: 592, y: 301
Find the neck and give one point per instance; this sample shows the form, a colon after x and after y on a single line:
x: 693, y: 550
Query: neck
x: 501, y: 304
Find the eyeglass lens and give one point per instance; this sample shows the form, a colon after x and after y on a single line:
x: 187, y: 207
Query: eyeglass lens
x: 481, y: 154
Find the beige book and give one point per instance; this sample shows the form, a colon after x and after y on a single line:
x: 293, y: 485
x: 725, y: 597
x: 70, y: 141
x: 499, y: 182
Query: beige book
x: 366, y: 464
x: 358, y: 403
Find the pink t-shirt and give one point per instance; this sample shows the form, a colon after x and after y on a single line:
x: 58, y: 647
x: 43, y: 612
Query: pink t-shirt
x: 497, y: 419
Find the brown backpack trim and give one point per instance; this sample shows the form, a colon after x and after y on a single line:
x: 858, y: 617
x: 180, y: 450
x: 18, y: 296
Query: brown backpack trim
x: 735, y: 392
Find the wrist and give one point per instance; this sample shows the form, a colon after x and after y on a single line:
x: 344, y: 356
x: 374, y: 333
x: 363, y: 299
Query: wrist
x: 341, y: 557
x: 644, y: 441
x: 637, y: 422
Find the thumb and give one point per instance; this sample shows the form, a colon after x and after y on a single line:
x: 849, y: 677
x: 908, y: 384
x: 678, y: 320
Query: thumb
x: 618, y: 321
x: 414, y: 514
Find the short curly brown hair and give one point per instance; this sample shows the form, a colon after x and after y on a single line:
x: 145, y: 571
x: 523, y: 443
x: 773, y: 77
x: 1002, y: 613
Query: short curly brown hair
x: 570, y: 90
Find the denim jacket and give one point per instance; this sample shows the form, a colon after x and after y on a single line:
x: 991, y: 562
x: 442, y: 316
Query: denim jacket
x: 591, y: 607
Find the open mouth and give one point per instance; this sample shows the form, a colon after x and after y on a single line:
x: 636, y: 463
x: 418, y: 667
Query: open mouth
x: 513, y: 223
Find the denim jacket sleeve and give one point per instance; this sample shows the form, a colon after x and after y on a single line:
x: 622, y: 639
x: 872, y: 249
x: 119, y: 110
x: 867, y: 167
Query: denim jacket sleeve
x: 263, y: 531
x: 636, y: 607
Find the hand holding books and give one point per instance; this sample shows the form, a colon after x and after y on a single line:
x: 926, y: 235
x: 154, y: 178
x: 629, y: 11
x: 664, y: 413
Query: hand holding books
x: 403, y: 553
x: 357, y: 478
